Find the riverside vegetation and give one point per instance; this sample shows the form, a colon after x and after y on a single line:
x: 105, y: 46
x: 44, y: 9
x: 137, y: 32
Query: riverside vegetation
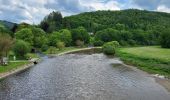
x: 56, y: 34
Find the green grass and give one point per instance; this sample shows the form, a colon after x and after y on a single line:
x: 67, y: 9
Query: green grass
x: 57, y: 51
x: 33, y: 55
x: 152, y: 59
x: 12, y: 66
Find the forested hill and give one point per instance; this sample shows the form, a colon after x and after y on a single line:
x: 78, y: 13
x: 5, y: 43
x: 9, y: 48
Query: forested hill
x: 6, y: 27
x: 7, y: 24
x: 131, y: 19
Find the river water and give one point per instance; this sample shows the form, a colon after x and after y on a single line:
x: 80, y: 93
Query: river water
x: 82, y: 77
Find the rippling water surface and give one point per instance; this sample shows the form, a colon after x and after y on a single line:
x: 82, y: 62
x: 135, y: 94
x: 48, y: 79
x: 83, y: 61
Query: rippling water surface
x: 82, y: 77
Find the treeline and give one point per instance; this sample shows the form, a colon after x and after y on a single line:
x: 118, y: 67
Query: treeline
x: 29, y: 38
x: 128, y: 27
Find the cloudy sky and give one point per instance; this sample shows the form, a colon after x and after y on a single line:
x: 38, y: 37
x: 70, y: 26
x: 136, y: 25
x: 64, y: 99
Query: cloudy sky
x: 33, y: 11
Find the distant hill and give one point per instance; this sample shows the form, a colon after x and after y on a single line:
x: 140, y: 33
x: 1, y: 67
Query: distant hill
x: 7, y: 24
x: 131, y: 18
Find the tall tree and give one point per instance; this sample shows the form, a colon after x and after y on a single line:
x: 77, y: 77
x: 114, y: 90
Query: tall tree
x: 5, y: 45
x: 52, y: 22
x: 26, y: 35
x: 80, y: 33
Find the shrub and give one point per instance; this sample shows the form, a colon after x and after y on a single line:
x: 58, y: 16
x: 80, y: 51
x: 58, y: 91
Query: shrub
x: 165, y: 39
x: 131, y: 42
x: 79, y: 43
x: 98, y: 43
x: 51, y: 50
x: 60, y: 45
x: 26, y: 35
x: 21, y: 48
x: 110, y: 47
x: 123, y: 43
x: 80, y: 33
x: 44, y: 48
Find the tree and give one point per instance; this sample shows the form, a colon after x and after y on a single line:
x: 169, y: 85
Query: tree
x: 26, y: 35
x: 110, y: 47
x: 120, y: 26
x: 60, y: 45
x: 5, y: 45
x: 79, y: 43
x: 108, y: 35
x: 165, y: 38
x: 21, y: 48
x: 81, y: 34
x: 140, y: 36
x: 52, y: 22
x: 39, y: 39
x: 53, y: 39
x: 65, y: 36
x: 21, y: 26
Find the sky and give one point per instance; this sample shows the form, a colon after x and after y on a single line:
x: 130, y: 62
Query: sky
x: 33, y: 11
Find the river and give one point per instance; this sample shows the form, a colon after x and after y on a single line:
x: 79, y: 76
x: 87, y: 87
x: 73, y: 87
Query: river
x: 82, y: 77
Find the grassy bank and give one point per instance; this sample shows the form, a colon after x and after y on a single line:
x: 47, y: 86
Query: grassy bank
x: 152, y: 59
x: 12, y: 66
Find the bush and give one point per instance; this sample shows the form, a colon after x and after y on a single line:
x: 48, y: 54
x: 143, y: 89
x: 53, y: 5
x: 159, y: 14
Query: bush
x: 110, y: 47
x: 21, y: 48
x: 123, y: 43
x: 165, y: 39
x: 52, y: 50
x: 80, y: 33
x: 79, y: 43
x: 44, y: 48
x: 131, y: 42
x: 98, y: 43
x: 25, y: 35
x: 60, y: 45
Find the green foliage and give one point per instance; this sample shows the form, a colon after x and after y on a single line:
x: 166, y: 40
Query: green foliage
x: 44, y: 48
x: 81, y: 34
x: 31, y: 55
x: 53, y: 39
x: 98, y: 43
x: 165, y: 38
x: 92, y: 40
x: 36, y: 37
x: 4, y: 29
x: 110, y: 47
x: 52, y: 22
x: 65, y: 36
x: 108, y: 35
x: 139, y: 26
x: 22, y: 26
x: 21, y: 48
x: 6, y: 43
x: 79, y: 43
x: 51, y: 50
x: 25, y: 35
x: 123, y: 19
x: 39, y: 38
x: 60, y: 45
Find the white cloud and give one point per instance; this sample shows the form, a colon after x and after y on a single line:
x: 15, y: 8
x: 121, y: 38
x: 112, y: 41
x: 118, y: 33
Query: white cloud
x: 163, y: 8
x: 33, y: 11
x: 99, y: 5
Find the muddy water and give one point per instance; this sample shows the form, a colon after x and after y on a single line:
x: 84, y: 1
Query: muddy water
x: 82, y: 77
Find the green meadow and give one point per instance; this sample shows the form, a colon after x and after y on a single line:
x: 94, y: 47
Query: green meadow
x: 153, y: 59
